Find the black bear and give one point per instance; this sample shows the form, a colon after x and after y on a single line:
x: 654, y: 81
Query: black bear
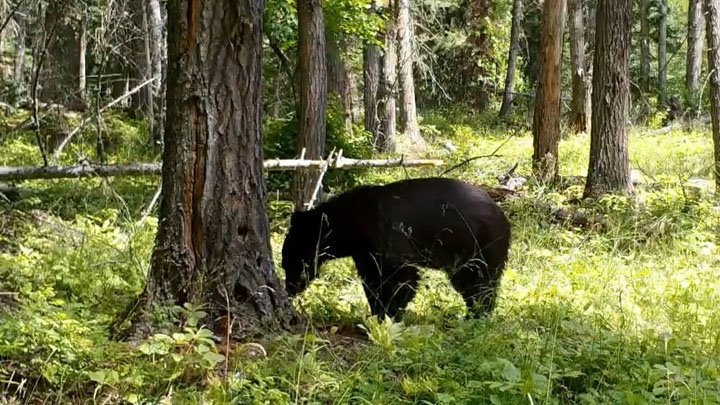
x: 390, y: 229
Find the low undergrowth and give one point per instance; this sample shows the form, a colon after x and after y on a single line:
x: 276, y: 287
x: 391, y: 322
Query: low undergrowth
x: 622, y: 311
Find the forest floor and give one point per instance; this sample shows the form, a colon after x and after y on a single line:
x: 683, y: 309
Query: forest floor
x: 621, y: 311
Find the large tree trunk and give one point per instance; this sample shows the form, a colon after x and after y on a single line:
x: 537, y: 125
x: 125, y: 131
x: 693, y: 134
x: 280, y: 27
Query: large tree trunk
x: 212, y: 245
x: 387, y: 89
x: 408, y: 110
x: 644, y: 47
x: 662, y: 50
x: 578, y: 112
x: 371, y: 81
x: 546, y: 118
x: 609, y: 168
x: 339, y: 81
x: 712, y: 20
x: 517, y: 14
x: 693, y: 65
x: 313, y: 95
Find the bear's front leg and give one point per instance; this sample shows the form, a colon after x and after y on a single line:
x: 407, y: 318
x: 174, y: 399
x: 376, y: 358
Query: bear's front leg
x: 371, y: 277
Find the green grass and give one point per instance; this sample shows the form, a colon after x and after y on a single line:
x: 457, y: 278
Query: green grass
x: 623, y: 312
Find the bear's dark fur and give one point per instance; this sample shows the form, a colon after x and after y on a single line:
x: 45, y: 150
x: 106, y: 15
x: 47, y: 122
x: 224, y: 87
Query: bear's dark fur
x: 388, y: 230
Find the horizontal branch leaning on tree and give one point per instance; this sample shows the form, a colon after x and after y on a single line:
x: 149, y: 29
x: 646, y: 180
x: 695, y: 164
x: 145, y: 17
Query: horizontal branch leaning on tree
x: 155, y: 168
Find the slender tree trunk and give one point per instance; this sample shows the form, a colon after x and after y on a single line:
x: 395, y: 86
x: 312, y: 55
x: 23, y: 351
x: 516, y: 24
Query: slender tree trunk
x: 82, y: 71
x: 517, y: 15
x: 158, y: 56
x: 19, y: 66
x: 644, y: 47
x: 388, y: 83
x: 578, y: 113
x: 712, y: 21
x: 212, y: 244
x: 339, y: 81
x: 546, y: 118
x: 662, y: 50
x: 371, y: 81
x: 313, y: 95
x: 609, y: 168
x: 408, y: 110
x: 693, y: 65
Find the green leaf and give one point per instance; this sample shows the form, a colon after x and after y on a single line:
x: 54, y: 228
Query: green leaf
x: 213, y: 358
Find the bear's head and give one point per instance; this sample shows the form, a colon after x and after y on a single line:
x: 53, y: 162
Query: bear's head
x: 301, y: 250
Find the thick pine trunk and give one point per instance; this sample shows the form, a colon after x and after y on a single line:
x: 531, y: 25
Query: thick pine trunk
x: 579, y: 113
x: 712, y: 21
x: 609, y: 169
x: 313, y: 95
x: 387, y: 89
x: 693, y: 65
x: 662, y: 50
x: 517, y: 14
x: 408, y: 110
x: 546, y: 117
x: 212, y: 245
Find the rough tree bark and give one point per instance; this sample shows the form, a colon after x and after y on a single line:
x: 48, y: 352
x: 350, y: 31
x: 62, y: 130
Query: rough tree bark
x: 546, y: 117
x: 609, y: 168
x: 712, y: 22
x: 693, y: 64
x: 644, y: 46
x: 517, y: 14
x: 340, y: 81
x: 662, y: 50
x: 579, y: 114
x: 387, y: 89
x: 371, y: 81
x: 408, y: 110
x: 313, y: 95
x: 212, y: 245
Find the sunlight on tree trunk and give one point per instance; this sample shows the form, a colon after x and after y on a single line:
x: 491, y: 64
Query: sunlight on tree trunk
x: 693, y: 65
x: 387, y: 90
x: 546, y: 118
x: 313, y: 96
x: 609, y: 169
x: 579, y: 115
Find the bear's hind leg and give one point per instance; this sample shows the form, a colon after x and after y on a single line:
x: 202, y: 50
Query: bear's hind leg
x: 476, y: 287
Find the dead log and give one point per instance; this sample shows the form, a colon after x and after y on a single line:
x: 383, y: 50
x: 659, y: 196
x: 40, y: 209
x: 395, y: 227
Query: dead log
x: 154, y: 169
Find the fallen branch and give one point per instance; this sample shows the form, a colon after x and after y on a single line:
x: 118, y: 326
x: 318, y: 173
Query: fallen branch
x: 87, y: 119
x: 155, y: 169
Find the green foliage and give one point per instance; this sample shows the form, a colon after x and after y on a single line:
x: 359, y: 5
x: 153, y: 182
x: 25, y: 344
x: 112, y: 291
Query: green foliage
x: 280, y: 143
x: 620, y: 312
